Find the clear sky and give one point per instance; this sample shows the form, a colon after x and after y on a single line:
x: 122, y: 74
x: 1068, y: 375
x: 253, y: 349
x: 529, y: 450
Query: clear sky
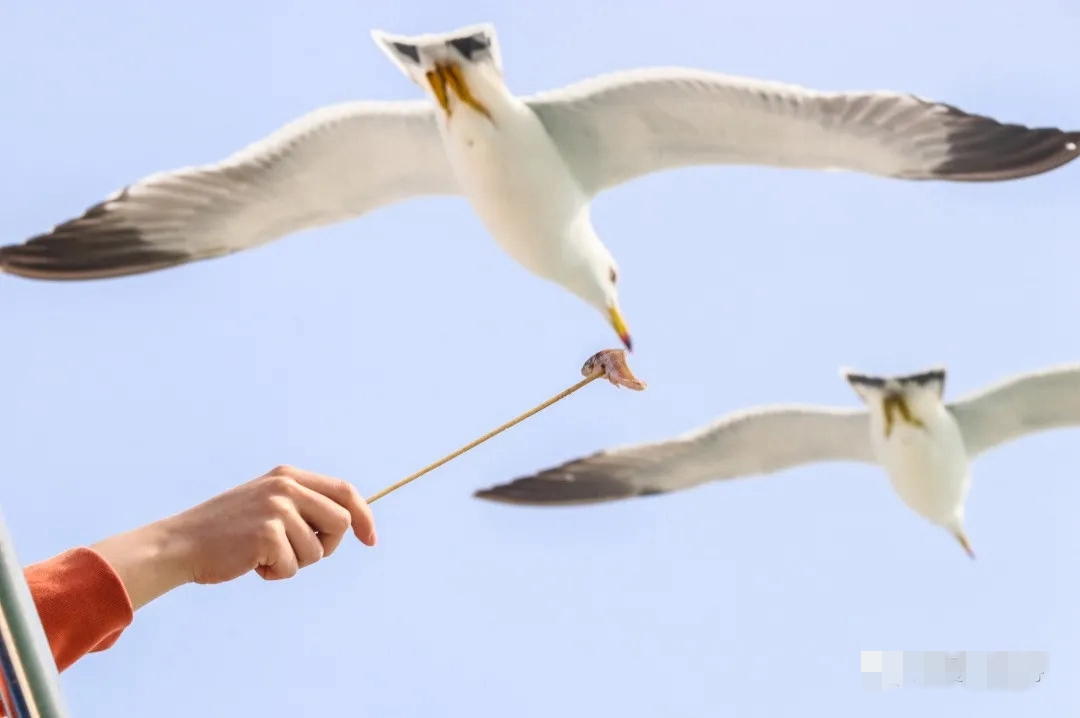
x: 369, y: 349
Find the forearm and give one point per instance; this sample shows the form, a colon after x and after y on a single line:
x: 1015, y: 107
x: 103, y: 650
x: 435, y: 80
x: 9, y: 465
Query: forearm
x: 86, y: 597
x: 149, y: 560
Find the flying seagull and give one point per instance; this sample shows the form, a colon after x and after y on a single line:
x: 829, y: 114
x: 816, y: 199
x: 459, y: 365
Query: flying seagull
x: 924, y: 445
x: 529, y: 166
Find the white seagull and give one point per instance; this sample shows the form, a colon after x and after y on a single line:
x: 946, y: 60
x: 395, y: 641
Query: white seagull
x: 924, y: 445
x: 529, y: 166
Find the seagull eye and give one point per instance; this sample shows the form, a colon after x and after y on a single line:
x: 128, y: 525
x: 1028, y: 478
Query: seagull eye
x: 613, y: 276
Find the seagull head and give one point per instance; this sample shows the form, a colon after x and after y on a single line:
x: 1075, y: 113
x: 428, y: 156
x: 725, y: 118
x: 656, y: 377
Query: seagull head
x: 455, y: 67
x: 592, y: 275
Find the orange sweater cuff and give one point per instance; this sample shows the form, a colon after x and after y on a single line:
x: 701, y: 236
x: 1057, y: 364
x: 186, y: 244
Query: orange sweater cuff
x: 82, y: 603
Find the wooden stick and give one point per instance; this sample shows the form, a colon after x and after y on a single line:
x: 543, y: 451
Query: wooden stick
x: 472, y: 445
x: 609, y: 363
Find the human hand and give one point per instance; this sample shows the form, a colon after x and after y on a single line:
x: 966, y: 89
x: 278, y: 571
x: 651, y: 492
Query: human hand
x: 276, y: 524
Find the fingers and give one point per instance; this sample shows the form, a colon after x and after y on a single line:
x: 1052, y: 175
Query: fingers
x: 290, y: 542
x: 341, y: 492
x: 305, y: 544
x: 308, y: 516
x: 330, y: 519
x: 276, y: 524
x: 278, y: 560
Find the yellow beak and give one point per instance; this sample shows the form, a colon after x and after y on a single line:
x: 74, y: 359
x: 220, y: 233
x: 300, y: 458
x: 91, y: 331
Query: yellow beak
x: 963, y: 539
x: 620, y: 327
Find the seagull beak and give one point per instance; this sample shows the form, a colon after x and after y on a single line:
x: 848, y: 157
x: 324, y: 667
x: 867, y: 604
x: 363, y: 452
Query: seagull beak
x: 962, y: 538
x: 620, y: 327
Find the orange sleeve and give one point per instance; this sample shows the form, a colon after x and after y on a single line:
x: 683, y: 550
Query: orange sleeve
x: 82, y: 603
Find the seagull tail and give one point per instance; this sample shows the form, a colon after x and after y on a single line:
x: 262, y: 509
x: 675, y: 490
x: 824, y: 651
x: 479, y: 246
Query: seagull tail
x: 471, y: 42
x: 866, y: 385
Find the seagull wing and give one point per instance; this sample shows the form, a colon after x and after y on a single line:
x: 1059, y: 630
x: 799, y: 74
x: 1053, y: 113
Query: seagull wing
x: 330, y: 165
x: 619, y: 126
x: 757, y: 441
x: 1019, y: 405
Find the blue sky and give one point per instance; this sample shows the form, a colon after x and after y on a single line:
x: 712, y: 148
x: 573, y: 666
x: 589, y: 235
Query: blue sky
x: 369, y: 349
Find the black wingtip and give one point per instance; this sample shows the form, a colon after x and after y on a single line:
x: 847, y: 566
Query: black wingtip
x: 557, y: 489
x: 985, y: 150
x: 57, y: 262
x: 96, y: 245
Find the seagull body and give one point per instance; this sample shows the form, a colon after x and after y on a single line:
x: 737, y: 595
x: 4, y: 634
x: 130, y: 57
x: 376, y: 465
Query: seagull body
x: 529, y: 166
x: 923, y: 453
x: 924, y: 445
x: 510, y: 169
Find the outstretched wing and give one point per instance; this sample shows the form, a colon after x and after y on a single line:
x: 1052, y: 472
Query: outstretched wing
x: 757, y: 441
x: 1019, y: 405
x: 619, y: 126
x: 330, y: 165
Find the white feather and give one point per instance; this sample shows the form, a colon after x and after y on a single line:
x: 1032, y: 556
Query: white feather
x: 622, y: 125
x: 1019, y: 405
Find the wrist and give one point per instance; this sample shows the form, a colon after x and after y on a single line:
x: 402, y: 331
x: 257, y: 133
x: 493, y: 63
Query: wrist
x: 150, y: 561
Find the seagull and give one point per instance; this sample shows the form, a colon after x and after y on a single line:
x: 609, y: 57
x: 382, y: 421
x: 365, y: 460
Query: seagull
x: 924, y: 445
x: 530, y: 166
